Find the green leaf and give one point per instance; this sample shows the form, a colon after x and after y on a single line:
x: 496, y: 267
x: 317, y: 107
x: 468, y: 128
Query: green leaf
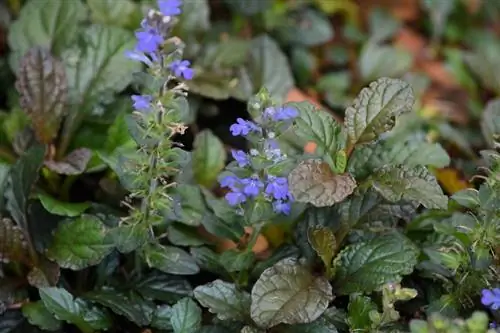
x: 248, y: 7
x: 323, y: 241
x: 375, y: 109
x: 131, y: 305
x: 439, y: 13
x: 288, y: 293
x: 61, y: 208
x: 483, y: 61
x: 303, y: 63
x: 186, y: 316
x: 209, y: 158
x: 268, y: 67
x: 306, y: 27
x: 224, y: 300
x: 43, y: 87
x: 164, y: 287
x: 13, y: 246
x: 107, y: 12
x: 38, y: 315
x: 236, y: 261
x: 359, y: 313
x: 32, y: 28
x: 170, y: 259
x: 366, y: 266
x: 195, y: 17
x: 161, y: 318
x: 312, y: 181
x: 129, y: 237
x: 189, y: 205
x: 468, y: 198
x: 23, y: 176
x: 64, y: 307
x: 182, y: 235
x: 118, y: 135
x: 397, y: 183
x: 80, y: 243
x: 410, y: 151
x: 490, y: 122
x: 314, y: 218
x: 320, y: 127
x: 207, y: 260
x: 383, y: 25
x: 383, y: 61
x: 100, y: 67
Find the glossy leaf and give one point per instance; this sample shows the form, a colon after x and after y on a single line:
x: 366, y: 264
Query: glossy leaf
x: 13, y: 246
x: 312, y: 181
x: 106, y: 12
x: 375, y: 109
x: 288, y: 293
x: 359, y: 309
x: 23, y: 176
x: 209, y: 158
x: 366, y: 266
x: 224, y: 300
x: 164, y: 287
x: 38, y: 315
x: 129, y: 237
x: 383, y: 61
x: 43, y: 87
x: 161, y: 318
x: 61, y: 208
x: 186, y: 316
x: 80, y: 243
x: 397, y: 183
x: 170, y: 259
x: 323, y: 241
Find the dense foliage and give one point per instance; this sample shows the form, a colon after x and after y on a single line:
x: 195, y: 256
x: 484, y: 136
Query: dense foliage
x: 155, y: 178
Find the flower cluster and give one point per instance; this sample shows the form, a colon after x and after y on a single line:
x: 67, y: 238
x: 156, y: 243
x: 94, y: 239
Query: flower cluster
x: 272, y: 187
x: 148, y: 50
x: 491, y: 298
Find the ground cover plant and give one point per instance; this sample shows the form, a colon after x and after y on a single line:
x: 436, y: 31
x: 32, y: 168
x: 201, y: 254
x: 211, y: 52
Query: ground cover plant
x: 156, y: 176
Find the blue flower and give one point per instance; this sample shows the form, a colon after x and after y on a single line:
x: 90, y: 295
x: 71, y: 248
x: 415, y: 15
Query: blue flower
x: 252, y: 186
x: 273, y: 151
x: 231, y: 182
x: 280, y: 113
x: 243, y: 127
x: 282, y: 207
x: 148, y: 39
x: 491, y: 298
x: 140, y: 56
x: 240, y: 157
x: 277, y: 187
x: 181, y: 68
x: 170, y: 7
x: 235, y: 198
x: 142, y: 102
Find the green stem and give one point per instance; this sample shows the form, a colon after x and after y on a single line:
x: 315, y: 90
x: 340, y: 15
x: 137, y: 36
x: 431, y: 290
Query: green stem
x: 71, y: 124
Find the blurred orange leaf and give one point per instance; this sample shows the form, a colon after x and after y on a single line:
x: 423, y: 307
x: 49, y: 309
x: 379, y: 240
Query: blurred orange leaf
x: 451, y: 180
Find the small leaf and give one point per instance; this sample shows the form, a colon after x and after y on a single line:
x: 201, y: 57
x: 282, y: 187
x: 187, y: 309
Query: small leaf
x: 170, y: 259
x: 38, y: 315
x: 164, y: 287
x: 73, y: 164
x: 42, y: 85
x: 324, y: 243
x: 383, y: 61
x: 288, y: 293
x: 366, y: 266
x: 46, y: 274
x: 490, y: 122
x: 306, y: 27
x: 375, y: 109
x: 236, y: 261
x: 131, y: 306
x: 312, y: 181
x: 13, y: 246
x: 61, y: 208
x: 224, y: 299
x: 80, y: 243
x: 182, y: 235
x: 186, y: 316
x: 359, y: 312
x: 161, y: 318
x: 23, y: 176
x: 397, y: 183
x: 106, y: 12
x: 209, y: 158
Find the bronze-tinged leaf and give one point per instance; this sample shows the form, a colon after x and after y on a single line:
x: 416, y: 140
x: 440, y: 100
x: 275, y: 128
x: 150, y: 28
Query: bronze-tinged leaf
x: 45, y: 274
x: 73, y: 164
x: 312, y: 181
x: 13, y: 246
x: 42, y: 84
